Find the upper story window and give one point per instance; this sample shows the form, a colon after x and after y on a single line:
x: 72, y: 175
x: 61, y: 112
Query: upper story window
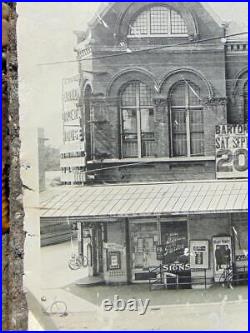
x: 137, y: 121
x: 158, y: 21
x: 186, y: 120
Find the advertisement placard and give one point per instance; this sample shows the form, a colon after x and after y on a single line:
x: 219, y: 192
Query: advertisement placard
x: 231, y: 143
x: 222, y: 253
x: 199, y: 254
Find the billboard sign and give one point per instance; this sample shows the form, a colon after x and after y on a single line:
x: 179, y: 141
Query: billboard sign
x: 231, y: 143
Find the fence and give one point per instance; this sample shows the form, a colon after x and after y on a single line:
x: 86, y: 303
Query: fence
x: 160, y: 278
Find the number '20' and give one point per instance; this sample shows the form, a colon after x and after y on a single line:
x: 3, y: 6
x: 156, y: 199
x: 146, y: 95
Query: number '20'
x: 231, y: 160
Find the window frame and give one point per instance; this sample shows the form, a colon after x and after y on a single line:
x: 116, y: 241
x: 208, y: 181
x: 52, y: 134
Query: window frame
x: 149, y: 26
x: 187, y: 108
x: 138, y: 109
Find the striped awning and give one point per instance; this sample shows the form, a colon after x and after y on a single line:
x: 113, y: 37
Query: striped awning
x: 133, y: 200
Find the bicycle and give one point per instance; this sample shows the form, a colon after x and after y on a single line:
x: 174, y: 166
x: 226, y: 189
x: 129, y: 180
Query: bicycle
x: 59, y: 308
x: 227, y: 276
x: 56, y: 308
x: 77, y: 261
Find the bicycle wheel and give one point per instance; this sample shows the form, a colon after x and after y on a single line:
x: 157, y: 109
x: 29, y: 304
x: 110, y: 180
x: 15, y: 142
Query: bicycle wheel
x: 74, y: 264
x: 222, y: 278
x: 59, y: 308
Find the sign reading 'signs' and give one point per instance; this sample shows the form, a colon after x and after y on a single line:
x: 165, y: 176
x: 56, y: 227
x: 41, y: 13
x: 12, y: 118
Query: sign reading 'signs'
x: 231, y: 142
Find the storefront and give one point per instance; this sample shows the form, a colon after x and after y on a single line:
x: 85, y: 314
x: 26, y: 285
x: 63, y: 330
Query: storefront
x: 193, y: 232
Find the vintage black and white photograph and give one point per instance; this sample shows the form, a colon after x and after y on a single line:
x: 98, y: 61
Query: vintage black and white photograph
x: 134, y: 163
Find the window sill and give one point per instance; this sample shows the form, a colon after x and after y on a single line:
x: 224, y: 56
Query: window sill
x: 154, y: 159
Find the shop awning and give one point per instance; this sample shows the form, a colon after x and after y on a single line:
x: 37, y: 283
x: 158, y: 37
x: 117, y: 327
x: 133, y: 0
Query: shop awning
x: 133, y: 200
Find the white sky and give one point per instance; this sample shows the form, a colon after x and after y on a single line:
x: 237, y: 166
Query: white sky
x: 45, y: 34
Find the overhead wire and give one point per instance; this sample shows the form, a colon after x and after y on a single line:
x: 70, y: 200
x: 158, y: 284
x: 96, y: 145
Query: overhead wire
x: 154, y: 48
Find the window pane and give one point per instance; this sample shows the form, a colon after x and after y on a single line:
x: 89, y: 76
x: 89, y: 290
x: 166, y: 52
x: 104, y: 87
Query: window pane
x: 145, y: 95
x: 196, y: 120
x: 178, y: 95
x: 129, y: 123
x: 194, y: 95
x: 129, y: 137
x: 196, y: 132
x: 159, y: 20
x: 141, y: 24
x: 129, y: 95
x: 147, y: 123
x: 177, y: 24
x: 179, y: 139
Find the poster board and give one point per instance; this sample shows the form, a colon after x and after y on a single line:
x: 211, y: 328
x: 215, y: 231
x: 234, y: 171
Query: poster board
x: 231, y: 144
x: 199, y: 254
x: 222, y: 255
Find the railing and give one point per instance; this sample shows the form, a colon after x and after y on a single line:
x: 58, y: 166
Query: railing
x: 73, y: 177
x: 237, y: 47
x: 161, y: 277
x: 234, y: 276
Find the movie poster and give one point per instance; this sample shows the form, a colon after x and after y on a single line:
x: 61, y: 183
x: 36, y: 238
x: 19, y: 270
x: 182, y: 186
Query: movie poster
x: 222, y: 253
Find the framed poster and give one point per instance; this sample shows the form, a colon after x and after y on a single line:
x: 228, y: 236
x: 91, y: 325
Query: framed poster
x: 199, y: 254
x: 222, y: 254
x: 114, y: 260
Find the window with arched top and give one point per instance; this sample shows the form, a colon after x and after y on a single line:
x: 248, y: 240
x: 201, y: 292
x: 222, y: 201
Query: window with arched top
x: 158, y: 20
x: 245, y: 96
x: 186, y: 120
x: 137, y: 120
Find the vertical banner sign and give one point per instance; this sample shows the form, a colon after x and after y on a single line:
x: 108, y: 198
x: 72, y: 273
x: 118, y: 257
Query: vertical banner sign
x: 231, y: 143
x: 222, y: 253
x: 199, y: 254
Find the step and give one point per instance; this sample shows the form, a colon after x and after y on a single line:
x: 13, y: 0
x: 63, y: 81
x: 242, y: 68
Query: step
x: 158, y: 286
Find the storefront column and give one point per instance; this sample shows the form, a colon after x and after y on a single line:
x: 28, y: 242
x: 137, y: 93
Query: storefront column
x: 128, y: 256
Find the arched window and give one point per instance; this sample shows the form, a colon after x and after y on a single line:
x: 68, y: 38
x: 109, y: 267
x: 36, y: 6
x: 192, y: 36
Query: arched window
x: 137, y: 121
x: 186, y: 120
x: 245, y: 96
x: 158, y: 20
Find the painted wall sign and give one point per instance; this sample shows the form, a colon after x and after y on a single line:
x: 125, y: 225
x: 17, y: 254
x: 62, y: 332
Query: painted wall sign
x: 199, y: 254
x: 241, y: 258
x: 222, y: 253
x: 231, y: 143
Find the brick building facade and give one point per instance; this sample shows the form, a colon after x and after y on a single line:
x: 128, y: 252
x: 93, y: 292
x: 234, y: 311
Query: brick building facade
x: 155, y: 81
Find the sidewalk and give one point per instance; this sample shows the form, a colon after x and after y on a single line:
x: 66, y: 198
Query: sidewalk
x: 215, y: 294
x: 213, y: 309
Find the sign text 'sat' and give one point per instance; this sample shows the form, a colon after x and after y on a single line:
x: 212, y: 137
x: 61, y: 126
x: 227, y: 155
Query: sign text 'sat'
x: 231, y: 143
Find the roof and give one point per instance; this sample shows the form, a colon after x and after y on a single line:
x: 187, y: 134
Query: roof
x: 180, y: 198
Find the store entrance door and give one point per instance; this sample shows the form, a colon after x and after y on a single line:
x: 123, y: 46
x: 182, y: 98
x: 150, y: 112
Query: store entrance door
x: 92, y: 248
